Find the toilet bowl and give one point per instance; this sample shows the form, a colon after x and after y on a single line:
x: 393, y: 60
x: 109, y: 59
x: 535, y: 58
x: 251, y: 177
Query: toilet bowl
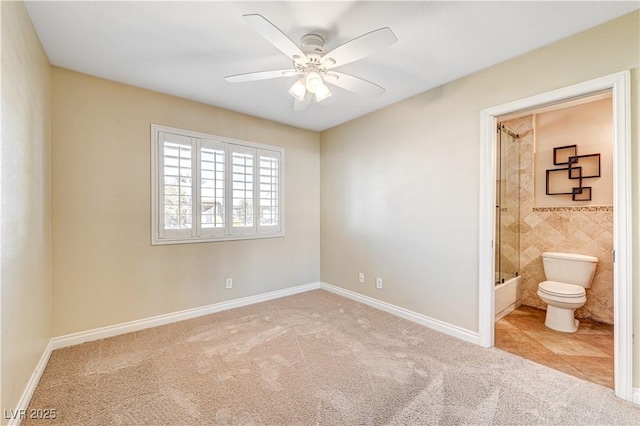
x: 562, y: 300
x: 568, y: 275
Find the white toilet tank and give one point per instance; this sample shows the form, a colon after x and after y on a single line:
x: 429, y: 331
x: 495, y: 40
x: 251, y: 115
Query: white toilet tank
x: 569, y: 268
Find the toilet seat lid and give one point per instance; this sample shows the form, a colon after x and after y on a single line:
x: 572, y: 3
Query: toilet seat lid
x: 555, y: 288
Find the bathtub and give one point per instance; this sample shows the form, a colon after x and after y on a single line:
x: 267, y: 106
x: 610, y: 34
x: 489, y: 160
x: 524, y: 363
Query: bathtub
x: 507, y: 296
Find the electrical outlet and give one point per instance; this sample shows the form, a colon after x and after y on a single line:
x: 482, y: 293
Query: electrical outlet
x: 379, y: 283
x: 228, y: 283
x: 361, y: 277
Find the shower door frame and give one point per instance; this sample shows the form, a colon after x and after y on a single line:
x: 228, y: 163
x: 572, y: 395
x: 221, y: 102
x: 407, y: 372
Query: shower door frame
x: 501, y: 235
x: 619, y: 84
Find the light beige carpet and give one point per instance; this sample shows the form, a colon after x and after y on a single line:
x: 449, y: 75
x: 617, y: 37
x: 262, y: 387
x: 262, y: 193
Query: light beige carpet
x: 312, y: 358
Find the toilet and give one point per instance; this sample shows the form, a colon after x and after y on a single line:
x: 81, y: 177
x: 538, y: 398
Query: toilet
x: 568, y: 275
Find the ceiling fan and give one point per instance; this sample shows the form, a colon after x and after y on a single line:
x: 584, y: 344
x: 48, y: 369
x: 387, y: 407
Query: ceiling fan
x: 315, y: 67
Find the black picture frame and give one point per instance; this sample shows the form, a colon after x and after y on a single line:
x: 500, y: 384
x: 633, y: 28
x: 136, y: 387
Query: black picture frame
x: 566, y: 171
x: 568, y: 152
x: 582, y: 193
x: 587, y: 156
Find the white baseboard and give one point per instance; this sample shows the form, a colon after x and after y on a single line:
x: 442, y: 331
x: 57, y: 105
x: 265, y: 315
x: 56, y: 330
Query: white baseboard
x: 636, y: 396
x: 128, y: 327
x: 17, y: 414
x: 452, y: 330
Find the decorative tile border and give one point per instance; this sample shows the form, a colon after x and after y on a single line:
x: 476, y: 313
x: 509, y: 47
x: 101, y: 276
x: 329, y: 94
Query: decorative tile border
x: 574, y: 209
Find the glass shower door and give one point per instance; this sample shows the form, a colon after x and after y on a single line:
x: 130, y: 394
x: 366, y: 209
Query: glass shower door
x: 507, y: 205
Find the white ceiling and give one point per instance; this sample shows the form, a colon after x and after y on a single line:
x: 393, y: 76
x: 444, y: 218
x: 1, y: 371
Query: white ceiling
x: 186, y: 48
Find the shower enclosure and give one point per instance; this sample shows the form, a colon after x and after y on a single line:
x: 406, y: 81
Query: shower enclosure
x: 507, y: 247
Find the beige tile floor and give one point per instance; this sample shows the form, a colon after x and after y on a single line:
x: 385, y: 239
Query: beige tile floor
x: 587, y: 353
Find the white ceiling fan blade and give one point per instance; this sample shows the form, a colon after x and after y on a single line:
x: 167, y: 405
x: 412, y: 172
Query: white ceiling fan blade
x: 300, y: 105
x: 354, y: 84
x: 359, y: 48
x: 261, y: 75
x: 275, y: 37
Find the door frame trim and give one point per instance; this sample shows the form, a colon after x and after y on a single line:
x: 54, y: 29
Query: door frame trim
x: 619, y: 84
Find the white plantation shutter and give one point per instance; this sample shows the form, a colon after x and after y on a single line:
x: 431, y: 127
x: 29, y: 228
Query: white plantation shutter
x: 269, y: 190
x: 210, y: 188
x: 176, y: 189
x: 243, y: 170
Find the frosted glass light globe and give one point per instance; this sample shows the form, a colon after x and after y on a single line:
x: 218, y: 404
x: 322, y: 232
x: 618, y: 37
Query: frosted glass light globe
x: 314, y: 81
x: 298, y: 90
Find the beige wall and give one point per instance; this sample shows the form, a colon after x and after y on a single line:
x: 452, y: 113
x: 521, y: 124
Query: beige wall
x: 399, y: 187
x: 105, y: 270
x: 25, y: 237
x: 590, y: 127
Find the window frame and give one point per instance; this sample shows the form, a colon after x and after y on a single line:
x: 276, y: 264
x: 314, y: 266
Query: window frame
x: 198, y: 234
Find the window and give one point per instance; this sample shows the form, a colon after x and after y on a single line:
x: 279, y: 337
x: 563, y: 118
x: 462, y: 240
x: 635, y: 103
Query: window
x: 211, y: 188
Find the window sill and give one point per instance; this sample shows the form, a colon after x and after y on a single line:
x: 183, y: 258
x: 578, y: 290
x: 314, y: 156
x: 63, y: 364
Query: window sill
x: 165, y: 241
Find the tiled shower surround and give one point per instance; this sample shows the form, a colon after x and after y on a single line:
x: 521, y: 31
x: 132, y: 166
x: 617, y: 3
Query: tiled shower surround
x: 580, y: 229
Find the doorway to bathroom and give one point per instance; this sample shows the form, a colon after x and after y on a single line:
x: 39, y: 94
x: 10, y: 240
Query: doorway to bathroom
x: 618, y: 86
x: 532, y: 219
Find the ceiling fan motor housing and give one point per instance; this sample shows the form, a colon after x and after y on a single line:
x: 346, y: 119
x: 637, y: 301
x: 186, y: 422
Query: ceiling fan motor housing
x: 312, y: 46
x: 312, y: 43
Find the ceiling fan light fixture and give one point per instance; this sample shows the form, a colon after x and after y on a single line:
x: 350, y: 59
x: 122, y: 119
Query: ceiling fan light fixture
x: 298, y: 90
x: 322, y: 93
x: 314, y: 82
